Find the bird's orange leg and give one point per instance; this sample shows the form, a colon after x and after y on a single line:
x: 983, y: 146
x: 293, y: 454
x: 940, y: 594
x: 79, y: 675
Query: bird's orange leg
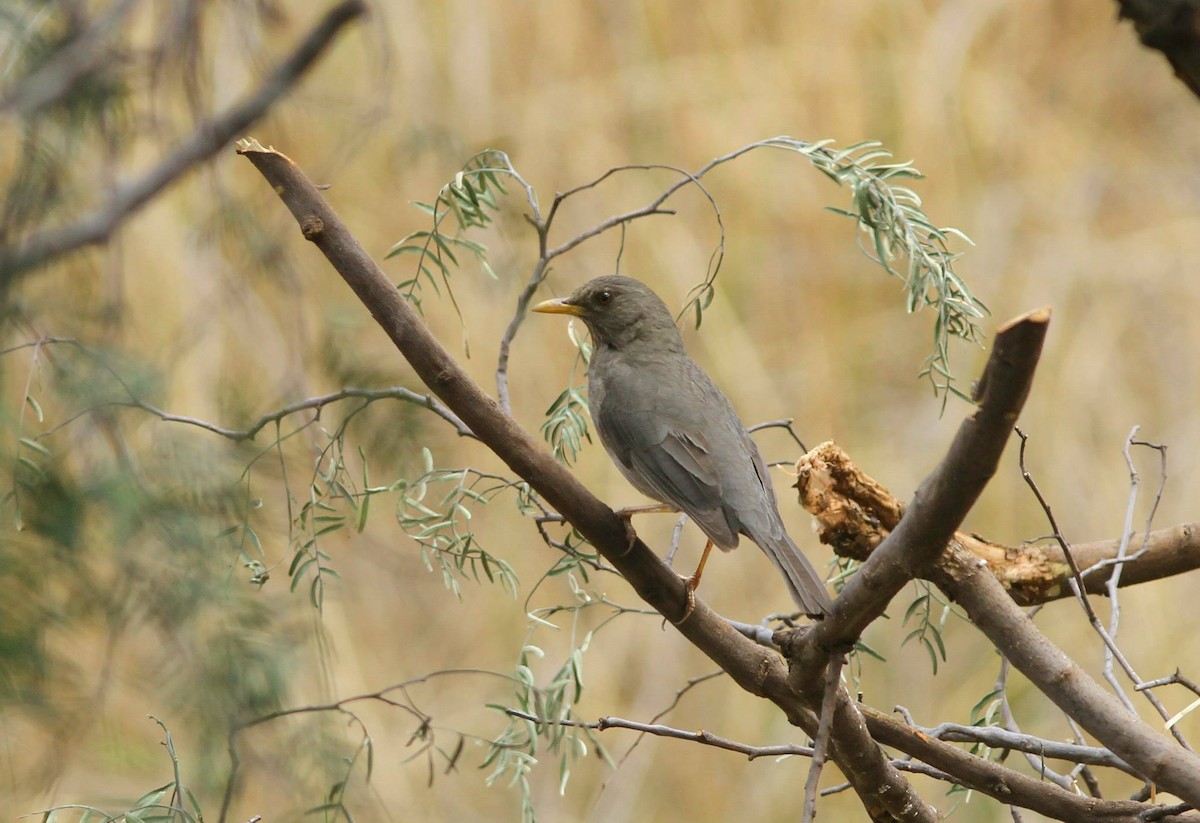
x: 693, y: 582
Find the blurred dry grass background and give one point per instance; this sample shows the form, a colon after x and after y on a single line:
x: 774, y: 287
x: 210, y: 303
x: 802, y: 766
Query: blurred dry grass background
x: 1066, y: 151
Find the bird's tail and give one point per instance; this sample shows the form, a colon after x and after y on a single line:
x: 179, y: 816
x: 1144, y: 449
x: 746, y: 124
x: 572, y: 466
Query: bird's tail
x: 806, y: 586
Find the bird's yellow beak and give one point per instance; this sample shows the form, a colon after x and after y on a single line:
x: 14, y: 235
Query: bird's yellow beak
x: 557, y: 306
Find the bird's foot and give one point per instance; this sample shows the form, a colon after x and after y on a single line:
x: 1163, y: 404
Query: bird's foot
x: 689, y: 583
x: 631, y: 536
x: 627, y: 514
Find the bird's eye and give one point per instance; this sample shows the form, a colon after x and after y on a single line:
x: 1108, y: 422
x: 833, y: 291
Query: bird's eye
x: 604, y: 297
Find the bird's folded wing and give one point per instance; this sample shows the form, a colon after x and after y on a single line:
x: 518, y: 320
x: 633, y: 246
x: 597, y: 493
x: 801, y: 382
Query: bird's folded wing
x: 677, y: 468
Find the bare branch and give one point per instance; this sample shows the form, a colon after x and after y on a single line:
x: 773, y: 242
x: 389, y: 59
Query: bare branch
x: 659, y: 730
x: 1169, y: 680
x: 708, y: 739
x: 833, y: 677
x: 514, y: 326
x: 999, y: 738
x: 969, y: 582
x: 1012, y: 787
x: 205, y: 142
x: 1111, y: 651
x: 427, y: 401
x: 54, y: 79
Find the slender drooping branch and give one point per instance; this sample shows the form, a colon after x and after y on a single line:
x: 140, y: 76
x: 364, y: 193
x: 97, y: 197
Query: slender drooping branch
x: 316, y: 404
x: 205, y: 142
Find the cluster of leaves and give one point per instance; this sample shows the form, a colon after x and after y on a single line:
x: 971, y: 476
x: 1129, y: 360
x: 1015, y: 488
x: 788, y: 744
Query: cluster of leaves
x: 321, y: 515
x: 927, y: 614
x: 442, y: 527
x: 566, y: 424
x: 986, y: 712
x: 514, y: 752
x: 471, y: 199
x: 435, y: 509
x: 903, y: 241
x: 928, y: 628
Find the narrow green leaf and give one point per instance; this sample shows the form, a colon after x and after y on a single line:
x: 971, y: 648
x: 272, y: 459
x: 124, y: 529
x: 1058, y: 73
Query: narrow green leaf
x: 37, y: 408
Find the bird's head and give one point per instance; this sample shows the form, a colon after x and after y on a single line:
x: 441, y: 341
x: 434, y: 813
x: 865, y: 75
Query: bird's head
x: 618, y: 310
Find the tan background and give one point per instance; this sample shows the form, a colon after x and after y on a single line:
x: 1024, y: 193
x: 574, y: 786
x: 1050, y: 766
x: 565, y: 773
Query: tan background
x: 1065, y: 150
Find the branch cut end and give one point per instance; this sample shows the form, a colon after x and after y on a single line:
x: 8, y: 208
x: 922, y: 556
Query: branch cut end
x: 248, y: 145
x: 1040, y: 316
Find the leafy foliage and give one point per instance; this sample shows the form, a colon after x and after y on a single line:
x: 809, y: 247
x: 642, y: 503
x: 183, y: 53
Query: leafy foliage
x: 928, y: 629
x: 442, y: 525
x: 903, y: 241
x: 471, y: 199
x: 514, y: 752
x: 173, y: 802
x: 566, y: 424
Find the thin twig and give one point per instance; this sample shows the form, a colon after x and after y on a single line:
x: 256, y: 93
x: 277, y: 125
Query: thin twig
x: 1080, y: 591
x: 1085, y: 771
x: 679, y: 695
x: 786, y: 425
x: 427, y: 401
x: 1036, y: 752
x: 1039, y: 747
x: 403, y: 701
x: 1169, y: 680
x: 833, y: 681
x: 659, y: 730
x: 1114, y: 579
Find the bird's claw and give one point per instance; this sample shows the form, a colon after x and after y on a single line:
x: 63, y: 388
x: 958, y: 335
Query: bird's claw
x: 630, y: 532
x: 690, y: 584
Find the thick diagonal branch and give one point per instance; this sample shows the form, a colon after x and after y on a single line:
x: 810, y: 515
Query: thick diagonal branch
x: 884, y: 790
x: 945, y: 497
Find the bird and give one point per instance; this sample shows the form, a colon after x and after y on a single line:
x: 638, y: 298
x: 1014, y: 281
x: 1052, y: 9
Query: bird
x: 673, y: 433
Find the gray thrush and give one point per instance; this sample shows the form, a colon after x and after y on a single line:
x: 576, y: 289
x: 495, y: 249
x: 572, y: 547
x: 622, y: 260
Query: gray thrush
x: 674, y: 434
